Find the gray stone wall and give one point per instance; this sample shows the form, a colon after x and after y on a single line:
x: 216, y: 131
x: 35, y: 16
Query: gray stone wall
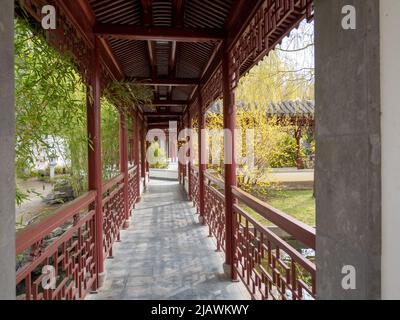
x: 348, y: 174
x: 7, y: 152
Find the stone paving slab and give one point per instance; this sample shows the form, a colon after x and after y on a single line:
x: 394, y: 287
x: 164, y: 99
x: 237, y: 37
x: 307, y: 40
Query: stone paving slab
x: 166, y: 255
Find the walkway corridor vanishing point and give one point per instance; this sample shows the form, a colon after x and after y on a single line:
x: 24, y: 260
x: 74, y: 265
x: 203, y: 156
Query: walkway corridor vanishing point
x: 166, y: 254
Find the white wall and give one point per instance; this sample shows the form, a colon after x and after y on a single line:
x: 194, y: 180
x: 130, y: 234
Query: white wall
x: 390, y: 107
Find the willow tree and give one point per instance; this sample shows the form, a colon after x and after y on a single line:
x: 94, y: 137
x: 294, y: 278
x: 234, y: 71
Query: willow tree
x: 285, y: 74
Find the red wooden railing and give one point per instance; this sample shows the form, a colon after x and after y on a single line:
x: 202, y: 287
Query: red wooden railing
x: 66, y: 242
x: 195, y: 187
x: 72, y: 254
x: 214, y: 209
x: 269, y: 266
x: 113, y: 213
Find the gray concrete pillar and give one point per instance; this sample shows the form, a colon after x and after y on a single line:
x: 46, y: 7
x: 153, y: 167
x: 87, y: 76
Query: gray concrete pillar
x: 7, y: 152
x: 390, y: 122
x: 348, y: 161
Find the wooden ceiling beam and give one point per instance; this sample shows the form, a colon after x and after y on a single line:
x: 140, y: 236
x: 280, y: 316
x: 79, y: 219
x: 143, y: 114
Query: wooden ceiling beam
x: 162, y: 114
x: 168, y: 103
x: 163, y: 126
x: 141, y: 33
x: 157, y: 121
x: 177, y: 82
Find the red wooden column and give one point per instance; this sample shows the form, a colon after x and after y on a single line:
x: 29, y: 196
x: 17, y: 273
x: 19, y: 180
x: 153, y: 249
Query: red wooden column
x: 202, y: 158
x: 229, y: 111
x: 123, y: 156
x: 179, y: 163
x: 184, y: 165
x: 190, y: 157
x: 136, y: 152
x: 94, y: 155
x: 143, y: 153
x: 147, y: 163
x: 131, y: 153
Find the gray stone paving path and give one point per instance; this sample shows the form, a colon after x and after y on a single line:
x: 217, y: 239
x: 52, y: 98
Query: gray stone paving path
x: 166, y: 254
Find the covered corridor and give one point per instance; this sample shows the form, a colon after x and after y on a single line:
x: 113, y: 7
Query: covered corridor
x: 122, y: 243
x: 166, y: 254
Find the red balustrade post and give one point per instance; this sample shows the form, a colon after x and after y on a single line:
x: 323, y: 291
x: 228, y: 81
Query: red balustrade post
x: 147, y: 163
x: 123, y: 156
x: 136, y: 154
x: 190, y: 157
x: 229, y: 110
x: 94, y: 156
x: 202, y: 158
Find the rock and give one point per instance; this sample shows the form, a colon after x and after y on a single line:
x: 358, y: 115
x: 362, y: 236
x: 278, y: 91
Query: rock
x: 57, y: 232
x: 62, y: 192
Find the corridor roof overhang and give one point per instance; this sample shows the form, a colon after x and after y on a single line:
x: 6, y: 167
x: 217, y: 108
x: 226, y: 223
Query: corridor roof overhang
x: 174, y: 46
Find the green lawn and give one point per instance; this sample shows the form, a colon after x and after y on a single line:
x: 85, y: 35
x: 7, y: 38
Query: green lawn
x: 300, y: 204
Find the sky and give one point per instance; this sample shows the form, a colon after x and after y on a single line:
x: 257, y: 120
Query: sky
x: 303, y: 37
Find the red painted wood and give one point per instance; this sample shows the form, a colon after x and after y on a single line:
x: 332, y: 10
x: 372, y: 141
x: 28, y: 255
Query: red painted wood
x: 133, y: 192
x: 163, y: 114
x: 94, y: 149
x: 113, y: 205
x: 81, y: 13
x: 72, y: 254
x: 34, y: 233
x: 179, y: 163
x: 195, y: 188
x: 202, y: 157
x: 267, y: 264
x: 297, y: 229
x: 77, y: 247
x: 229, y: 112
x: 175, y: 82
x: 123, y: 154
x: 131, y: 153
x: 143, y: 153
x: 137, y: 152
x: 147, y: 164
x: 141, y: 33
x: 190, y: 153
x: 254, y: 29
x: 215, y: 209
x: 169, y: 103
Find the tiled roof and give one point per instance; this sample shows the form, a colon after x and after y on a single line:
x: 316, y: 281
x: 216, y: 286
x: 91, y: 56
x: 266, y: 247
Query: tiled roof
x: 289, y: 108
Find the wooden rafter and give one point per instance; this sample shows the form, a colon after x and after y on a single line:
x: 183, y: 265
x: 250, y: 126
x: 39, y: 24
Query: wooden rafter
x: 148, y: 22
x: 178, y: 19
